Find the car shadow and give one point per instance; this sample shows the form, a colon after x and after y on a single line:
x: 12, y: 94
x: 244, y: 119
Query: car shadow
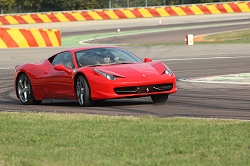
x: 104, y: 103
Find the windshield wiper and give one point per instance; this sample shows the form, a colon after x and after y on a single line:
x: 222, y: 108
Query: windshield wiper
x: 106, y: 64
x: 96, y: 65
x: 124, y: 63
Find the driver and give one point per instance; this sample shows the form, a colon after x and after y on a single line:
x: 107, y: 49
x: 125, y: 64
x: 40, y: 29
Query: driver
x: 106, y: 58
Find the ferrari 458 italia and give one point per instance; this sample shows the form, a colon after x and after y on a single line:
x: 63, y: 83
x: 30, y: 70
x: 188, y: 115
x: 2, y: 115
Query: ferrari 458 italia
x: 93, y: 73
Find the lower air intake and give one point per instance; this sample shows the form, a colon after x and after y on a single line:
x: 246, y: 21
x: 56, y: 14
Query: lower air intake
x: 143, y: 89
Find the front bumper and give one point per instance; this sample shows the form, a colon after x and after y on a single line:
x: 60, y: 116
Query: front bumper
x: 133, y: 87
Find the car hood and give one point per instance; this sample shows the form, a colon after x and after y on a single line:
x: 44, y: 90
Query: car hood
x: 134, y: 70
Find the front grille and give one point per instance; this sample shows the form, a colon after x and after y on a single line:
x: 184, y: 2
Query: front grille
x: 127, y: 90
x: 143, y: 89
x: 163, y: 87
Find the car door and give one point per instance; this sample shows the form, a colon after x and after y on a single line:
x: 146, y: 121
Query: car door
x: 59, y: 84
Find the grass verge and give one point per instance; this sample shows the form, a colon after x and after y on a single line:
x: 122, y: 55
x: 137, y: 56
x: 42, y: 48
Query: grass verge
x: 240, y: 36
x: 233, y: 37
x: 79, y: 139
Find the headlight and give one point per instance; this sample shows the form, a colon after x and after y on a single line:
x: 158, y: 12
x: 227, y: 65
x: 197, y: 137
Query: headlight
x: 168, y: 71
x: 108, y: 76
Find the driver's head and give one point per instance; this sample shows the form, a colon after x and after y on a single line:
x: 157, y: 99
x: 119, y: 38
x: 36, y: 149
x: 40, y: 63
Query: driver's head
x: 106, y: 58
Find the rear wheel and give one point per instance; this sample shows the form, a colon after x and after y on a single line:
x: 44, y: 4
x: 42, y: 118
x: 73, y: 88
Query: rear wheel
x: 24, y: 90
x: 159, y: 98
x: 83, y: 92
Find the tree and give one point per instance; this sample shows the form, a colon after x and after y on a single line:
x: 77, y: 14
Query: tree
x: 6, y: 4
x: 31, y: 4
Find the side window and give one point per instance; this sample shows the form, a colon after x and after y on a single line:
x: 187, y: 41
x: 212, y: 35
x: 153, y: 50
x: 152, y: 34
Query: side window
x: 58, y: 59
x: 63, y: 58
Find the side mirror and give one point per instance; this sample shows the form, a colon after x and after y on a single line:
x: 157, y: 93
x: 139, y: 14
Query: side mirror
x: 61, y: 67
x: 147, y: 60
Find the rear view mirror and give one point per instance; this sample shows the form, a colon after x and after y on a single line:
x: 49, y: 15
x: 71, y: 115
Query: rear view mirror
x: 147, y: 60
x: 61, y: 67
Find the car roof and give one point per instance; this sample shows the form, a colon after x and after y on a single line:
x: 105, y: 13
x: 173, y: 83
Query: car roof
x: 82, y: 48
x: 88, y: 47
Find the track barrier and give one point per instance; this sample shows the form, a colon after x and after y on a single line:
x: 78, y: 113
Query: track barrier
x: 127, y: 13
x: 23, y: 38
x: 13, y: 37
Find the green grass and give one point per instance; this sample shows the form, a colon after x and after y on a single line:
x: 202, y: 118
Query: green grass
x: 241, y: 36
x: 234, y: 37
x: 80, y: 139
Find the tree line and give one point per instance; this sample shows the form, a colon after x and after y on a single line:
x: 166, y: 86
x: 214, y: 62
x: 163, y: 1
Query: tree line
x: 27, y: 6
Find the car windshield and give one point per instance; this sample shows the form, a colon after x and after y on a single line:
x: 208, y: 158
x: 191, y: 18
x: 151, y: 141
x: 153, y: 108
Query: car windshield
x: 105, y: 56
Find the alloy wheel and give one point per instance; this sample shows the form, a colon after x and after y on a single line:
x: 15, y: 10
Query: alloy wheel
x: 24, y: 89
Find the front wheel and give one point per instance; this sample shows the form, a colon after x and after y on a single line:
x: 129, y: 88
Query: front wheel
x: 24, y: 90
x: 159, y: 98
x: 83, y: 92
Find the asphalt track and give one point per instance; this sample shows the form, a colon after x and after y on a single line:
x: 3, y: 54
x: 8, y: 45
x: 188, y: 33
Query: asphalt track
x: 193, y: 99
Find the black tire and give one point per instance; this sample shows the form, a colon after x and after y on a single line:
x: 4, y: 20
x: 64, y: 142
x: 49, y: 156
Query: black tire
x: 83, y: 92
x: 24, y: 91
x: 159, y: 98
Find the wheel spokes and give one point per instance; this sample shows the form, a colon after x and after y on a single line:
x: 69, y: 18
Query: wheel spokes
x: 24, y: 89
x: 80, y: 91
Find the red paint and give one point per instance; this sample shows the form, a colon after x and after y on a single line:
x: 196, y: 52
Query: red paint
x: 204, y: 9
x: 29, y: 37
x: 46, y: 38
x: 53, y: 18
x: 170, y: 11
x: 103, y: 15
x: 136, y: 13
x: 86, y: 16
x: 19, y: 19
x: 3, y: 20
x: 69, y: 16
x: 187, y: 10
x: 120, y: 14
x: 36, y: 18
x: 221, y: 8
x: 50, y: 82
x: 235, y: 7
x: 58, y: 36
x: 153, y: 12
x: 7, y: 39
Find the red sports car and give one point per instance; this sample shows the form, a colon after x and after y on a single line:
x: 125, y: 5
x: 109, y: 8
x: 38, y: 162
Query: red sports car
x: 89, y: 74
